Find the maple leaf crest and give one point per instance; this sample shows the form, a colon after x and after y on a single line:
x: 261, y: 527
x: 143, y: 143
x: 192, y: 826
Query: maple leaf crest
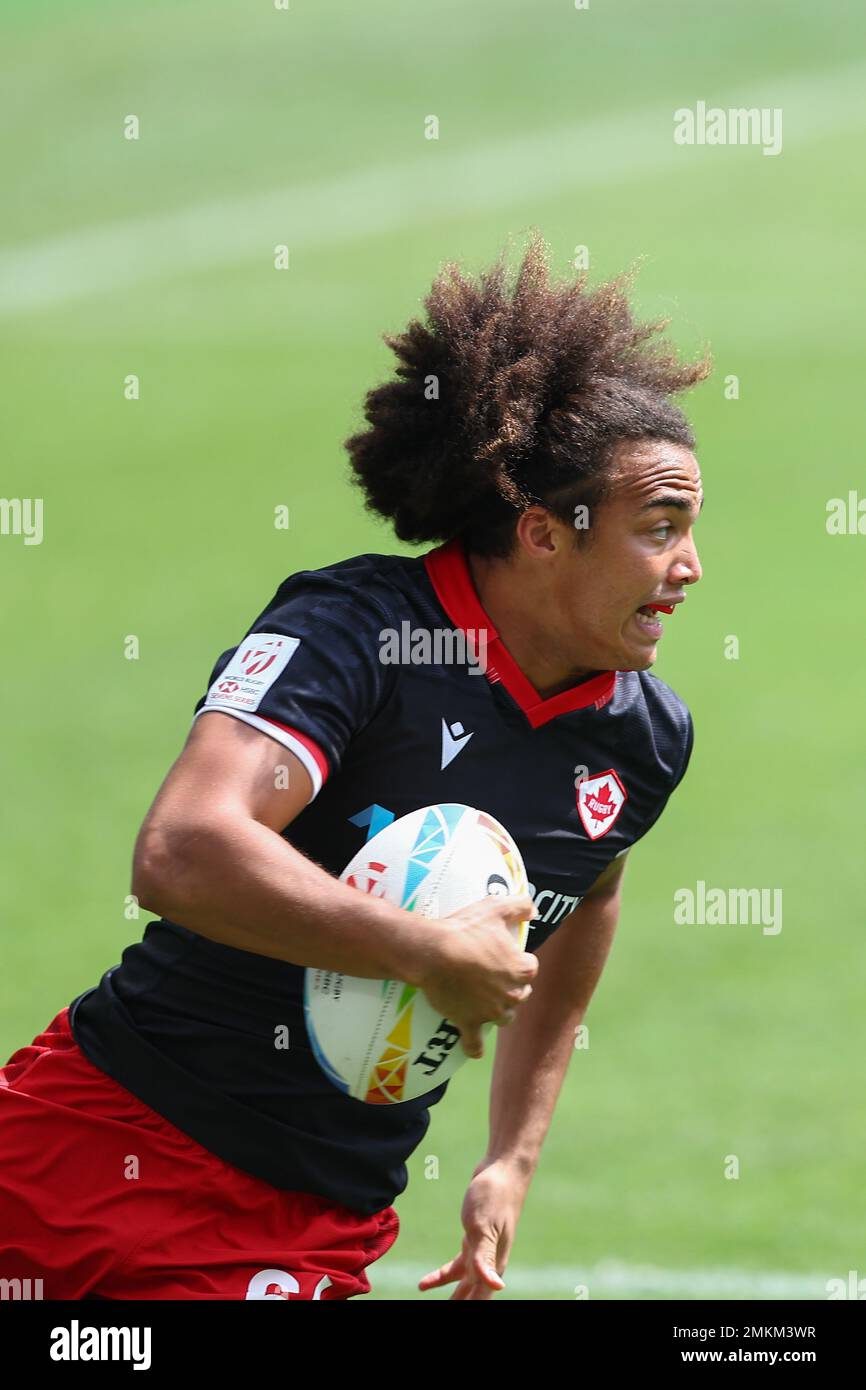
x: 601, y: 803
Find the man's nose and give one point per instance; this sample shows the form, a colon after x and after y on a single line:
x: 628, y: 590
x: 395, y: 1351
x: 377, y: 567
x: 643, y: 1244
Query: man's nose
x: 687, y: 569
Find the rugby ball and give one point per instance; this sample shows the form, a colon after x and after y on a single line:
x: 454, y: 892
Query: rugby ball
x: 381, y: 1041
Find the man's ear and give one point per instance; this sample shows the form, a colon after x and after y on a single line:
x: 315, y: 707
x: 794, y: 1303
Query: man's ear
x: 538, y: 531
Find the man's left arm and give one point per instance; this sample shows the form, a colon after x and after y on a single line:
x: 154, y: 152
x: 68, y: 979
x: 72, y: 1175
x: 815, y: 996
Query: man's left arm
x: 532, y: 1056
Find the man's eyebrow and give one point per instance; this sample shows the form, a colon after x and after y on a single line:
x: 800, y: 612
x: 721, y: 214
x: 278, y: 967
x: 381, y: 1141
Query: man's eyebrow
x: 670, y: 499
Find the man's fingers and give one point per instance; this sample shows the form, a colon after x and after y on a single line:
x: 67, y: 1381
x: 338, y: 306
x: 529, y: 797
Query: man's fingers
x: 529, y: 965
x: 445, y: 1274
x: 518, y: 994
x: 519, y: 908
x: 483, y: 1265
x: 480, y: 1280
x: 472, y: 1041
x: 476, y: 1273
x: 477, y: 1291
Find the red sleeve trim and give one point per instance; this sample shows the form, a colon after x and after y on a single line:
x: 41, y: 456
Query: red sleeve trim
x: 312, y: 747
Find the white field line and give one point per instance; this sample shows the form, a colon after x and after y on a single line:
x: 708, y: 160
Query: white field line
x: 566, y: 160
x: 614, y: 1278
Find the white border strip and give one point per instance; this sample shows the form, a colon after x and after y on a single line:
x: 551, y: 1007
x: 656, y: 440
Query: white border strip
x: 288, y: 740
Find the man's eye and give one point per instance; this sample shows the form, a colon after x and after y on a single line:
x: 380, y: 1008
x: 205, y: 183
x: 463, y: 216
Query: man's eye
x: 663, y: 530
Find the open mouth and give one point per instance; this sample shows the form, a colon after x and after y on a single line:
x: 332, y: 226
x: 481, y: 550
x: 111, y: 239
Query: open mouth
x: 647, y: 620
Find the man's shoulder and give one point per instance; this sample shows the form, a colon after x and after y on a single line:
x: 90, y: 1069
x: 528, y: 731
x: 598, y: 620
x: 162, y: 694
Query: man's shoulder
x: 659, y: 695
x: 368, y: 588
x: 666, y: 712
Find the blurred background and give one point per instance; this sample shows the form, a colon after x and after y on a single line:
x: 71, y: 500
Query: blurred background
x: 154, y: 257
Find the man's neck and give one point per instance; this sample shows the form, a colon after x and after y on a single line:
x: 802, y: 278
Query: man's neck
x: 514, y: 613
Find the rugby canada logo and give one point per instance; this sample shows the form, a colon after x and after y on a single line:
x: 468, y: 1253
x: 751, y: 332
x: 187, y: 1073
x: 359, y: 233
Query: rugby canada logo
x: 599, y: 801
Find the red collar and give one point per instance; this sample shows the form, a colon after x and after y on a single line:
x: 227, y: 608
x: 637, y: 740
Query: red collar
x: 449, y: 573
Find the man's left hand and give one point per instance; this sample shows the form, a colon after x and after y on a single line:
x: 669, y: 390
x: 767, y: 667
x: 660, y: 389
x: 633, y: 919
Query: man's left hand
x: 490, y: 1212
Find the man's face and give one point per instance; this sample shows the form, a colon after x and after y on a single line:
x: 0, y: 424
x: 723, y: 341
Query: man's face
x: 639, y: 552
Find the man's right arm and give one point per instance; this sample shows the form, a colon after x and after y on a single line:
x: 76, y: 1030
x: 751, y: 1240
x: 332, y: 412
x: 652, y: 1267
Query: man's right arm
x: 210, y: 856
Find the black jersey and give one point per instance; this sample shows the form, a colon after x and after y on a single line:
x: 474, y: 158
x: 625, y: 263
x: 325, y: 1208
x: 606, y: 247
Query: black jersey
x: 385, y: 677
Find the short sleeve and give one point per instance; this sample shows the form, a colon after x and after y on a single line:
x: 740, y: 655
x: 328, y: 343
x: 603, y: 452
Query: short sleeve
x: 686, y: 743
x: 687, y: 753
x: 308, y: 672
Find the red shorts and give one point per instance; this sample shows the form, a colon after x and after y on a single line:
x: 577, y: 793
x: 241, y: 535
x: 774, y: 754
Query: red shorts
x: 101, y: 1196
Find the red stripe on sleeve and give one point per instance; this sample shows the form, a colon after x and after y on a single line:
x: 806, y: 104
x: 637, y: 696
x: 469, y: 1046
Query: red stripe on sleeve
x: 312, y: 748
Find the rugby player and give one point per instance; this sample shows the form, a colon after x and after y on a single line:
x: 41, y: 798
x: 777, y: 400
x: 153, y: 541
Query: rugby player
x: 155, y: 1140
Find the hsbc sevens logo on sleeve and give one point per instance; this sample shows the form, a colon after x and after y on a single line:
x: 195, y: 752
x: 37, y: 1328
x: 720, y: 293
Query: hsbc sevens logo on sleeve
x: 599, y: 801
x: 258, y: 661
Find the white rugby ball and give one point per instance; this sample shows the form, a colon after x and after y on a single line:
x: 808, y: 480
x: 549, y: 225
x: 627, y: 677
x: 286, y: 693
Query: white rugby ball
x: 381, y: 1041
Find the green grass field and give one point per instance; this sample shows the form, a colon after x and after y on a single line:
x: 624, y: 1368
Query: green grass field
x: 155, y: 257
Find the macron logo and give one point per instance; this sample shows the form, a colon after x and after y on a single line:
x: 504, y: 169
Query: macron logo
x: 453, y: 740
